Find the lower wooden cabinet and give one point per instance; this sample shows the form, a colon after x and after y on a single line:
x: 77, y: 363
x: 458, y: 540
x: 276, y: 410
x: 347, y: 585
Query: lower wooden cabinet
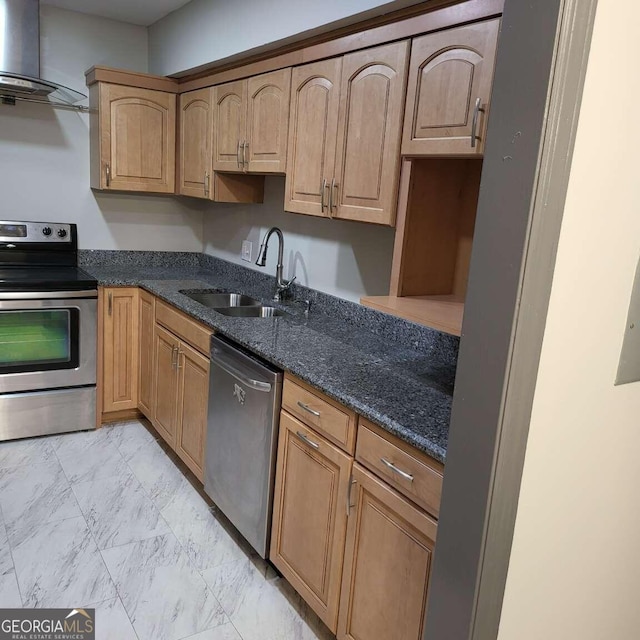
x: 147, y: 313
x: 193, y: 399
x: 119, y: 349
x: 309, y: 517
x: 387, y: 564
x: 165, y: 384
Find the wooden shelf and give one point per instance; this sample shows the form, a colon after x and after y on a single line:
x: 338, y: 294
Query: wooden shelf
x: 443, y: 313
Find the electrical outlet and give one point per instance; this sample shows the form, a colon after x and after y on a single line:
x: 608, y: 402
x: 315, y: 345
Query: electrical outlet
x: 247, y: 250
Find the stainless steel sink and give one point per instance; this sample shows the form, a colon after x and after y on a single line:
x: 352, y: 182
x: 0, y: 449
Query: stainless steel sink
x: 251, y: 312
x: 217, y: 300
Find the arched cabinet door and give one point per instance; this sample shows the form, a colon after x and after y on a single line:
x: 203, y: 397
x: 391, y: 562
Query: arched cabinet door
x: 137, y: 139
x: 449, y: 91
x: 372, y: 99
x: 230, y: 126
x: 312, y: 136
x: 268, y: 122
x: 196, y: 137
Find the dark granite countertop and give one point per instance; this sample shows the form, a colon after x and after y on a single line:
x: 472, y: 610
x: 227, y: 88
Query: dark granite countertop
x: 396, y: 375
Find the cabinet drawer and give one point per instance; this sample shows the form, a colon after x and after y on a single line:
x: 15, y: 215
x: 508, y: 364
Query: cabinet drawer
x: 324, y: 415
x: 191, y: 332
x: 403, y: 470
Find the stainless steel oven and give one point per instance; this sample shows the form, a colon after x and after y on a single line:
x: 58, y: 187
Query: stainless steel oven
x: 48, y: 333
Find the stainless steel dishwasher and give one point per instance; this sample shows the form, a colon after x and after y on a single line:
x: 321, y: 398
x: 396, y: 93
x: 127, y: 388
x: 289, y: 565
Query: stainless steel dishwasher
x: 242, y: 435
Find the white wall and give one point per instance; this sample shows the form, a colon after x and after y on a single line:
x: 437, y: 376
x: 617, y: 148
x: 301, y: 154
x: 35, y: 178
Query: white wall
x: 574, y: 572
x: 44, y: 153
x: 204, y: 31
x: 346, y: 259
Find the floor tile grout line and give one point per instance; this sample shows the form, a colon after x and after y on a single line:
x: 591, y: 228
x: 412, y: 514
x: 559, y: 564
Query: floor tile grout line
x: 13, y: 560
x: 92, y: 605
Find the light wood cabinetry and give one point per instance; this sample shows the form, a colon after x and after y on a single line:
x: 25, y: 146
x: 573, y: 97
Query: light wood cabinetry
x: 196, y: 137
x: 268, y: 101
x: 165, y: 385
x: 132, y: 139
x: 196, y: 177
x: 309, y: 519
x: 251, y: 121
x: 315, y: 99
x: 119, y: 349
x: 326, y: 416
x: 193, y: 399
x: 449, y: 90
x: 434, y: 235
x: 344, y: 138
x: 388, y: 559
x: 365, y: 186
x: 181, y: 384
x: 147, y: 313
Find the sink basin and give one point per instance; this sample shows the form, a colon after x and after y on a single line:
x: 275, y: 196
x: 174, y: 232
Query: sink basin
x: 218, y: 300
x: 251, y: 312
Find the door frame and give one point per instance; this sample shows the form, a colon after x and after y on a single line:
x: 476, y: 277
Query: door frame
x: 541, y: 64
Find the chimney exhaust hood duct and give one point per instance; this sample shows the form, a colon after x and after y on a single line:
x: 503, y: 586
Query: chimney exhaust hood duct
x: 20, y: 57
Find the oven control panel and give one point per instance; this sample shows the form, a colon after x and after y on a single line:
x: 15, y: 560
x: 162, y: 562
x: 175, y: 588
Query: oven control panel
x: 12, y: 231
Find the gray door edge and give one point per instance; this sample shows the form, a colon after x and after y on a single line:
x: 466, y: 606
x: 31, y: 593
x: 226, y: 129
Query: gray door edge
x: 540, y: 70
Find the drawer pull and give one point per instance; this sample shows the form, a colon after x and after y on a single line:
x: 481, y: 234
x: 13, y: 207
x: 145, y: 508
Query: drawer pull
x: 307, y: 408
x: 400, y: 472
x: 306, y: 440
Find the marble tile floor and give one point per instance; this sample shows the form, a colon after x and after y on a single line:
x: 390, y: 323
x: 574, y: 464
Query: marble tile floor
x: 111, y: 520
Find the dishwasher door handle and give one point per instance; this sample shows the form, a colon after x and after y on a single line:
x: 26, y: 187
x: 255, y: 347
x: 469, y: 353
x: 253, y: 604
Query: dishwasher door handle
x: 256, y: 385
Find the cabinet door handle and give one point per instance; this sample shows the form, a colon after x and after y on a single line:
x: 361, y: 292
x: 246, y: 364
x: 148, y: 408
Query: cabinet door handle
x: 322, y: 190
x: 351, y: 483
x: 110, y: 305
x: 245, y: 147
x: 179, y: 353
x: 174, y: 352
x: 474, y: 123
x: 107, y: 172
x: 306, y: 440
x: 206, y: 183
x: 333, y: 191
x: 400, y: 472
x: 238, y: 155
x: 308, y: 409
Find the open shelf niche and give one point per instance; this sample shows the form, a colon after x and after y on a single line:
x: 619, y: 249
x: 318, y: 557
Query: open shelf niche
x: 434, y: 232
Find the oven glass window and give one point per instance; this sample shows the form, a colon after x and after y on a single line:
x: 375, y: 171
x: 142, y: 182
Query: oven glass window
x: 36, y: 340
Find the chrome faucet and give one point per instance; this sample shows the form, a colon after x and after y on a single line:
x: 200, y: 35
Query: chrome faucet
x: 282, y: 285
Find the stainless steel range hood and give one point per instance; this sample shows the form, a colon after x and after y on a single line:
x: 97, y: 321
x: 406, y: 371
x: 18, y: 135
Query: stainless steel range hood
x: 20, y: 57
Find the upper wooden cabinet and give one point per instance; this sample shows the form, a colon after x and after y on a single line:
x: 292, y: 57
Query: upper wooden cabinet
x: 315, y: 96
x: 365, y: 187
x: 132, y: 139
x: 449, y: 90
x: 251, y: 120
x: 196, y: 137
x: 344, y: 138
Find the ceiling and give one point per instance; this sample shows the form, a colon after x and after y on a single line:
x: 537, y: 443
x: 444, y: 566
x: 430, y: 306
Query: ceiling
x: 142, y: 12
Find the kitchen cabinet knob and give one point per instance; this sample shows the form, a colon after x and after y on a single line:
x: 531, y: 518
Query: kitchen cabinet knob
x: 107, y: 173
x: 349, y: 486
x: 245, y: 147
x: 110, y: 298
x: 238, y: 155
x: 206, y: 183
x: 322, y: 191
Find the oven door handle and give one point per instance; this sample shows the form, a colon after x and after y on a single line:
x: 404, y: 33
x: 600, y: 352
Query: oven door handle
x: 47, y: 295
